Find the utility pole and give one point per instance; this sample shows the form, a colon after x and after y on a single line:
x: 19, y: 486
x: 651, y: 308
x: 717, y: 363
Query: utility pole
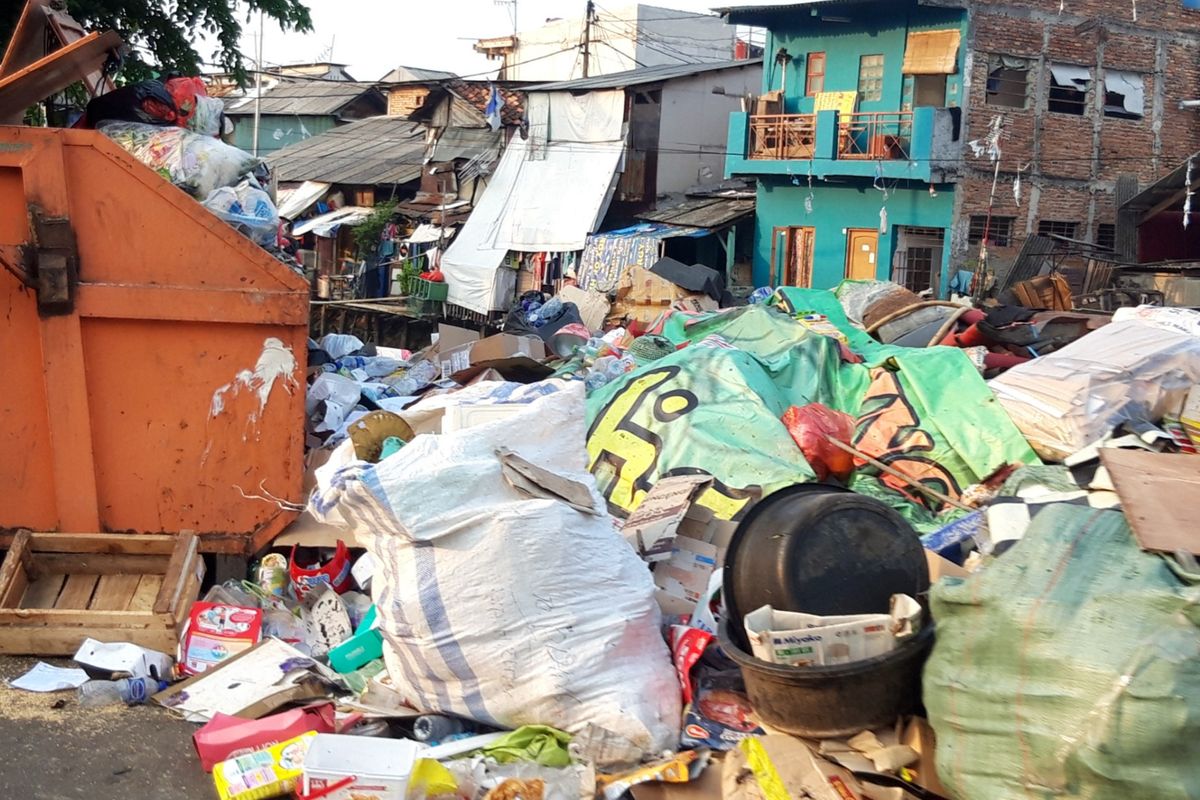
x: 258, y: 84
x: 587, y: 35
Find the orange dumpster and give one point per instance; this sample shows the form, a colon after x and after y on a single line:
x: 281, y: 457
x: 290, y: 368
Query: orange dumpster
x: 154, y: 357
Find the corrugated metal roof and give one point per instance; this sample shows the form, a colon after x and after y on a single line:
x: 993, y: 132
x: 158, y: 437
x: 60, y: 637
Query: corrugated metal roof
x: 376, y: 151
x: 316, y: 98
x: 404, y: 74
x: 639, y: 76
x: 706, y: 212
x: 780, y: 5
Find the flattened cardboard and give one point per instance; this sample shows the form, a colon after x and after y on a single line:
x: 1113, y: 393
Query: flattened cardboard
x: 651, y: 528
x: 1156, y: 491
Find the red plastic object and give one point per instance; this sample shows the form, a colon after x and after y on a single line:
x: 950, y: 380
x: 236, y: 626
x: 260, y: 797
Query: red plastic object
x: 185, y: 91
x: 335, y: 573
x: 811, y: 426
x: 225, y: 737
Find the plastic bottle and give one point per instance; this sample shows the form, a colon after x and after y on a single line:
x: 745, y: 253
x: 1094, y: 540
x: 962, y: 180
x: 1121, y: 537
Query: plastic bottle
x: 130, y: 691
x: 436, y: 728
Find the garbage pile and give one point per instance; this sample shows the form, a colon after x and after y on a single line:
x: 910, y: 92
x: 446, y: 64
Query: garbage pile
x: 173, y: 126
x: 740, y: 552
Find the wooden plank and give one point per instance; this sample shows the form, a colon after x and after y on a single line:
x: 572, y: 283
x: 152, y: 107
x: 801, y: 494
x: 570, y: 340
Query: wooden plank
x: 113, y: 543
x: 113, y: 592
x: 12, y: 594
x: 82, y: 616
x: 13, y: 568
x: 77, y: 592
x: 99, y: 564
x: 186, y: 552
x: 1154, y: 489
x: 147, y: 590
x: 43, y: 592
x: 66, y: 641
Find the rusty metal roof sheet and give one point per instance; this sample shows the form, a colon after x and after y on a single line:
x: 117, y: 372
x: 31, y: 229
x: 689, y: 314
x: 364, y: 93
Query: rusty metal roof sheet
x: 703, y: 212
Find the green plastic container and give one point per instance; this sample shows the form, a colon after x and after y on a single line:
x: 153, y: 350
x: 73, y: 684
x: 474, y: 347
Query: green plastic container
x: 428, y: 290
x: 364, y: 646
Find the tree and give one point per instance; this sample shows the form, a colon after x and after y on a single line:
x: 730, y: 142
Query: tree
x: 162, y: 34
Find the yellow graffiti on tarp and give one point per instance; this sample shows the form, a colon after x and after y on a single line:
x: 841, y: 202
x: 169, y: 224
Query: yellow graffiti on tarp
x: 623, y: 455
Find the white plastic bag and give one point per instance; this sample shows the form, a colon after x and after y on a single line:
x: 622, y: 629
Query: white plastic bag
x: 502, y: 608
x: 195, y: 163
x: 247, y: 208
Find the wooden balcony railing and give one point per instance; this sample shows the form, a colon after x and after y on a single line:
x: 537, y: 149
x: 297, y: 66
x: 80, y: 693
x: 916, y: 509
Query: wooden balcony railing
x: 875, y: 135
x: 783, y: 136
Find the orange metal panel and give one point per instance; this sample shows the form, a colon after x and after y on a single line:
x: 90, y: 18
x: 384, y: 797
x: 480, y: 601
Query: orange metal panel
x: 114, y: 421
x: 27, y: 493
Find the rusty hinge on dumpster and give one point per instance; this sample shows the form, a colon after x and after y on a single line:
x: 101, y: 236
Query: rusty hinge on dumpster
x: 55, y: 263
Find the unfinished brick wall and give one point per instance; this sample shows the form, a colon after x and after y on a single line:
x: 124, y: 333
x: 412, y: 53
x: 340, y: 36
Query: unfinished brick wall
x: 1069, y: 164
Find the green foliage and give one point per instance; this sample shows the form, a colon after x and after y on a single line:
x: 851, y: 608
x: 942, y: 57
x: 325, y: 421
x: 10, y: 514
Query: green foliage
x: 366, y: 235
x: 162, y: 34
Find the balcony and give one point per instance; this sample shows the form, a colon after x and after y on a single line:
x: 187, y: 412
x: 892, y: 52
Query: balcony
x: 917, y: 145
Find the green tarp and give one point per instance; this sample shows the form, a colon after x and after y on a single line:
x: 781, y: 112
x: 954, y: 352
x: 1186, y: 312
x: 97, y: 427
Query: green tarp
x: 1068, y: 669
x: 714, y: 407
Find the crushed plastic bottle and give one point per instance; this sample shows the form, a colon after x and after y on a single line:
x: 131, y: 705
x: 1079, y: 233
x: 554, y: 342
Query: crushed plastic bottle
x: 130, y: 691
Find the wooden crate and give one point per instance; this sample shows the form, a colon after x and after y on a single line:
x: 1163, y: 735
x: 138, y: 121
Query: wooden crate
x: 56, y: 589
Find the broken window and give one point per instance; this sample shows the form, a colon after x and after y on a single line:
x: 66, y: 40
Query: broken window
x: 1106, y: 236
x: 814, y: 82
x: 870, y: 77
x: 998, y: 233
x: 1069, y: 86
x: 1124, y: 94
x: 1054, y: 227
x: 1008, y: 82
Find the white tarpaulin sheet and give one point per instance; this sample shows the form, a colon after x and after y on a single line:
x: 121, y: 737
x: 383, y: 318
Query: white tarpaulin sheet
x: 299, y: 199
x: 327, y: 224
x: 545, y: 204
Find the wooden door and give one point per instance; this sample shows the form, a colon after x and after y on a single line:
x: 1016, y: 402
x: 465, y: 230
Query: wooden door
x: 797, y: 269
x: 862, y: 253
x: 792, y: 256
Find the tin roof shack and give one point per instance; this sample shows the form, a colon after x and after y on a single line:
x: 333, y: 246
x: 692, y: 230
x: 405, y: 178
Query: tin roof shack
x: 429, y: 163
x: 599, y: 152
x: 292, y: 110
x: 1158, y: 233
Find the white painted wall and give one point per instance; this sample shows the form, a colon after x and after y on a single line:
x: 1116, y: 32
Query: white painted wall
x: 623, y: 38
x: 695, y: 125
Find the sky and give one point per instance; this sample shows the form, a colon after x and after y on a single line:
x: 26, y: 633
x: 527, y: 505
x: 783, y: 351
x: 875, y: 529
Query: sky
x: 374, y: 36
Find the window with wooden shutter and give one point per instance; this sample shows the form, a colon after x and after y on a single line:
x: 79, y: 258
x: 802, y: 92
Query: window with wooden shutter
x: 931, y: 53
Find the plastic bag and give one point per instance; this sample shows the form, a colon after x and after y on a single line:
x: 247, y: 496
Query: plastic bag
x: 145, y: 102
x: 248, y: 209
x: 185, y: 91
x: 811, y: 426
x: 197, y: 164
x: 500, y: 607
x: 206, y: 118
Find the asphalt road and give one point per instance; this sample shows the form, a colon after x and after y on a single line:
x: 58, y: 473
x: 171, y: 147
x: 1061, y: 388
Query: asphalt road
x: 113, y: 753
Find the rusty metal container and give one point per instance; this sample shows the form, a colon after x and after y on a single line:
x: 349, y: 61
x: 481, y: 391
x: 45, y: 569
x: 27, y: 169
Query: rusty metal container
x: 154, y: 357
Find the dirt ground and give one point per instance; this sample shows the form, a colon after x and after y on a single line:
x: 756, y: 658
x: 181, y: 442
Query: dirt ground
x: 112, y: 753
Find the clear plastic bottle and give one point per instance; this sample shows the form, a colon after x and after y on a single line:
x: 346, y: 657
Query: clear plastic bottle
x: 130, y: 691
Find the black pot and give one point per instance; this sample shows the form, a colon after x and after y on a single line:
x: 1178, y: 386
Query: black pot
x: 820, y: 549
x: 835, y: 701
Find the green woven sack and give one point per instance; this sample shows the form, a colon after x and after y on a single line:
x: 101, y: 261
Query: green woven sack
x: 1069, y: 668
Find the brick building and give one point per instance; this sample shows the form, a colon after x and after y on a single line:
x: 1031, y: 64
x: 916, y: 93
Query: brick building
x: 1084, y: 97
x: 996, y: 118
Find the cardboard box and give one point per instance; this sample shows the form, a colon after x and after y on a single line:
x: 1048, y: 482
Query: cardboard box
x: 651, y: 528
x: 462, y: 355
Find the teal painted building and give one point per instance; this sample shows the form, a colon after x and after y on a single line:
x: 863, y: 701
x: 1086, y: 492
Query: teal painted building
x: 855, y: 141
x: 292, y: 110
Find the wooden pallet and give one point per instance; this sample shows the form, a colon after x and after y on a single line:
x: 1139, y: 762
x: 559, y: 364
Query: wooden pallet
x: 56, y: 589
